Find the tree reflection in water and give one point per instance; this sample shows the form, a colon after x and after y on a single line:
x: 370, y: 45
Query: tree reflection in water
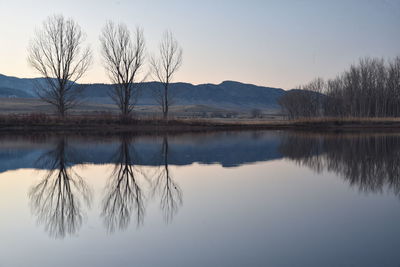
x: 370, y: 162
x: 124, y: 194
x: 163, y: 185
x: 56, y: 199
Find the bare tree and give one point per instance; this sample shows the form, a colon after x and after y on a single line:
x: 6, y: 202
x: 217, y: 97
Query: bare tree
x: 393, y: 86
x: 57, y: 53
x: 123, y: 56
x: 369, y: 88
x: 314, y: 90
x: 164, y: 68
x: 256, y: 113
x: 305, y: 102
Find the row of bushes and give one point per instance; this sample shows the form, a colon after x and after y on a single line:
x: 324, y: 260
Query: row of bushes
x: 43, y: 118
x: 106, y: 119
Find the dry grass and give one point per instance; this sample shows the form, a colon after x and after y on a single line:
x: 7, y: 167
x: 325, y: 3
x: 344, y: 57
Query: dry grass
x: 346, y: 119
x: 111, y: 122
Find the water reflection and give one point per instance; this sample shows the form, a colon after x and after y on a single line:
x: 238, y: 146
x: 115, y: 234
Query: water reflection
x: 369, y: 162
x: 124, y: 195
x: 125, y: 192
x: 56, y: 199
x: 164, y: 185
x: 267, y: 213
x: 141, y: 170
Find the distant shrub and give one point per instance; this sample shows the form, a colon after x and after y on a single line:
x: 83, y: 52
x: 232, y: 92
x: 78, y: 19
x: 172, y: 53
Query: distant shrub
x: 256, y: 113
x: 37, y: 117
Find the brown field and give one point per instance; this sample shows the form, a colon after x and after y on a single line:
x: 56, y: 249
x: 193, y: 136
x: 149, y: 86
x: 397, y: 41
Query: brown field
x: 31, y: 105
x: 113, y: 123
x: 33, y: 115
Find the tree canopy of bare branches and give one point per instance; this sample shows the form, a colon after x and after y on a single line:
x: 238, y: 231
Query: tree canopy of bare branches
x: 307, y: 101
x: 57, y: 52
x: 123, y: 55
x: 163, y: 69
x: 370, y: 88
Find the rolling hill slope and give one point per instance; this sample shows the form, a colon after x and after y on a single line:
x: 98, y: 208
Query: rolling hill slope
x: 228, y: 94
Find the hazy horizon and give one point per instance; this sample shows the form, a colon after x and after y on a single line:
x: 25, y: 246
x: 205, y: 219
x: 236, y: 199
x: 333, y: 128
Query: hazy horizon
x: 268, y: 43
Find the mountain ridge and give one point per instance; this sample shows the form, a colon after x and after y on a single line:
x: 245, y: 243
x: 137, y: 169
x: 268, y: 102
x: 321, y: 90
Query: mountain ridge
x: 229, y: 93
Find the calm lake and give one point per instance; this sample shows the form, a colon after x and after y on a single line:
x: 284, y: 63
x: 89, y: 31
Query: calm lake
x: 271, y: 198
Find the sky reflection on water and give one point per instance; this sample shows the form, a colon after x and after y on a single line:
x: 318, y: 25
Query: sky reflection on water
x: 255, y: 199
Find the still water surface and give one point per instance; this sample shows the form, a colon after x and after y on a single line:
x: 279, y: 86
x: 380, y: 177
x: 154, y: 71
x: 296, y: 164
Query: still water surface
x: 219, y: 199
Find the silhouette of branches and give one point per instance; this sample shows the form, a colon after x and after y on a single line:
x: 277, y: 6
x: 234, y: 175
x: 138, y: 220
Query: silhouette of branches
x: 57, y: 53
x: 370, y: 162
x: 164, y: 68
x: 56, y: 198
x: 169, y: 191
x: 123, y: 56
x: 123, y: 192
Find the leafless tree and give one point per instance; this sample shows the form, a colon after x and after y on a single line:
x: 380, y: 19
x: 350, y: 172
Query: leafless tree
x: 370, y: 88
x: 292, y: 104
x: 123, y: 55
x: 364, y: 90
x: 164, y: 68
x: 393, y: 87
x: 57, y: 53
x: 315, y: 88
x: 256, y: 113
x: 305, y: 102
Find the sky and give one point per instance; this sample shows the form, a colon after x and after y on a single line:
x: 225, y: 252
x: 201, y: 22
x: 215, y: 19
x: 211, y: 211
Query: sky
x: 270, y: 43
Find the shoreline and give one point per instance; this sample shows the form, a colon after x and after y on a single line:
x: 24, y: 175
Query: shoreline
x: 115, y: 125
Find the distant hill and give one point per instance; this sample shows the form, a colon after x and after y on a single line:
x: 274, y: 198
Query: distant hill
x: 27, y: 86
x: 11, y: 93
x: 228, y: 94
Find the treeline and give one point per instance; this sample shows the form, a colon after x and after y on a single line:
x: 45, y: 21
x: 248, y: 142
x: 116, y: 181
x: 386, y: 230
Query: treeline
x: 370, y: 88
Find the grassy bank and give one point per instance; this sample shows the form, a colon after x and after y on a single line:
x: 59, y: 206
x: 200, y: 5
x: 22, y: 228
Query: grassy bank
x: 350, y: 122
x: 112, y: 123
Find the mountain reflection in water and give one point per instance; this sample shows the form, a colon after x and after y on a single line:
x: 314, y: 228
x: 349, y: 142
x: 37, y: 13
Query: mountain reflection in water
x: 59, y: 201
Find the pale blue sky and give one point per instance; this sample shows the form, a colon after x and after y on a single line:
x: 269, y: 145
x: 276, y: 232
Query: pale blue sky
x: 272, y: 43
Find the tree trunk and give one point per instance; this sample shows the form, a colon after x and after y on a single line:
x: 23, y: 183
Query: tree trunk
x: 166, y: 102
